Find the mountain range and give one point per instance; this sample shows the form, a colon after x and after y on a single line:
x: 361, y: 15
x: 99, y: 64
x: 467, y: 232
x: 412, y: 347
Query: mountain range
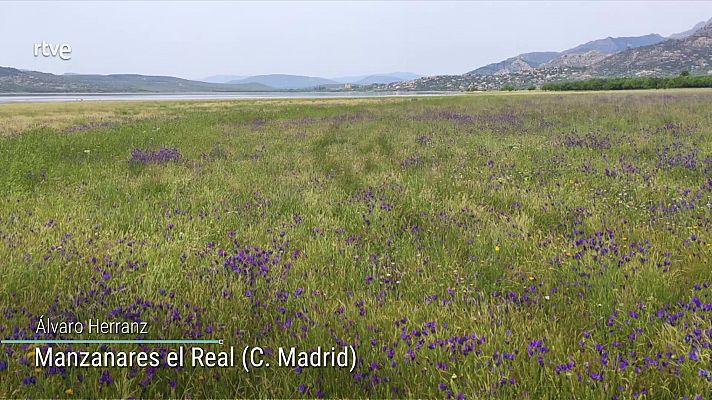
x: 284, y: 81
x: 692, y: 53
x: 13, y: 80
x: 378, y: 78
x: 648, y: 55
x: 595, y: 48
x: 222, y: 78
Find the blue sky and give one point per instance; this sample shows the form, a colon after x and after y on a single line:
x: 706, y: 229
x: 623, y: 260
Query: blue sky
x: 198, y: 39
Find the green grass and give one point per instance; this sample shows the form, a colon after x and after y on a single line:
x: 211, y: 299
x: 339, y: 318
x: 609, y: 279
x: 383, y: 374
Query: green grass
x: 512, y: 217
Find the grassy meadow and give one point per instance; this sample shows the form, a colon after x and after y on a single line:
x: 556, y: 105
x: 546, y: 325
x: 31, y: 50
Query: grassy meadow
x: 528, y: 246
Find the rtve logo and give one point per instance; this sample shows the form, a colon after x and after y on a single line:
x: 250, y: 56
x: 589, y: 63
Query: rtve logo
x: 63, y: 51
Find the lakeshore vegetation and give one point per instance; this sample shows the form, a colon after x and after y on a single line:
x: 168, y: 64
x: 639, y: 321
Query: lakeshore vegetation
x: 685, y: 80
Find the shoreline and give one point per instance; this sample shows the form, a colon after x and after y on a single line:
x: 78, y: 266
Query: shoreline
x: 10, y: 98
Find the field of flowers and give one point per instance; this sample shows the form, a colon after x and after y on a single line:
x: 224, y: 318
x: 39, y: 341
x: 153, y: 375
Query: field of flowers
x: 478, y: 246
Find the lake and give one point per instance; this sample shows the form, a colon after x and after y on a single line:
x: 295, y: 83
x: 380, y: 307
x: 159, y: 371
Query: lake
x: 71, y: 97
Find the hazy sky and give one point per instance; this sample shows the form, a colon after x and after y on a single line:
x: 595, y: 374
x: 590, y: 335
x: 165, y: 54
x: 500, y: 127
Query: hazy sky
x: 198, y: 39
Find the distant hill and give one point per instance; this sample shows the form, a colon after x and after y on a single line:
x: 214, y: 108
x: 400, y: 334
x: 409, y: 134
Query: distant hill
x: 290, y: 82
x: 371, y: 79
x: 522, y: 62
x: 693, y: 54
x: 222, y: 78
x: 690, y: 32
x: 612, y: 45
x: 283, y: 81
x: 529, y: 61
x: 575, y: 60
x: 648, y: 55
x: 378, y: 78
x: 406, y: 76
x: 13, y: 80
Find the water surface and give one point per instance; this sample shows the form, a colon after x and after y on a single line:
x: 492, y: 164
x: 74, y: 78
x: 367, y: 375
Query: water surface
x: 72, y: 97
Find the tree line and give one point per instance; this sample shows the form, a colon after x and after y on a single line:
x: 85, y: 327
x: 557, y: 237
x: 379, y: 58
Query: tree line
x: 684, y: 80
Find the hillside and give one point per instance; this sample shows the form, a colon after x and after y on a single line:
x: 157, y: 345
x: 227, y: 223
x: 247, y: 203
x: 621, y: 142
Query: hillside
x: 578, y: 60
x: 13, y: 80
x: 612, y: 45
x: 660, y: 57
x: 690, y: 32
x: 371, y: 79
x: 580, y: 56
x: 283, y: 81
x: 222, y: 78
x: 693, y: 54
x: 522, y: 62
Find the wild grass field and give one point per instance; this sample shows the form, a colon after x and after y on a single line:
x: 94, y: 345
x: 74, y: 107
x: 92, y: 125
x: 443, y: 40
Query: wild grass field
x: 529, y: 246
